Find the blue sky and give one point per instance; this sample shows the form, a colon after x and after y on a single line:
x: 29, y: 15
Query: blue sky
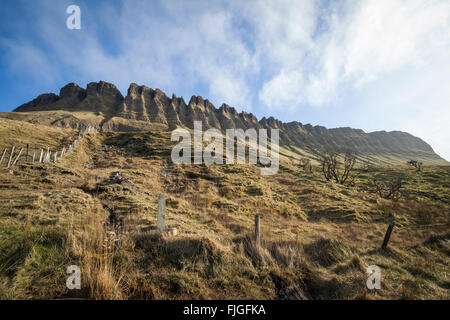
x: 374, y: 65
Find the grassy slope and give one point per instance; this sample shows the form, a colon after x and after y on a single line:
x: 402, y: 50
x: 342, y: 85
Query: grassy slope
x: 318, y: 237
x: 73, y: 119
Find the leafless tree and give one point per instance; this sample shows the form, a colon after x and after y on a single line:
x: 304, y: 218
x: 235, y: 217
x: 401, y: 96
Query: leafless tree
x: 349, y: 163
x: 388, y: 190
x: 331, y: 166
x: 328, y: 161
x: 416, y: 164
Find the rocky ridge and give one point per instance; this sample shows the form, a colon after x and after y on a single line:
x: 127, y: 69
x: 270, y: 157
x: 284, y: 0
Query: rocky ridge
x: 146, y: 105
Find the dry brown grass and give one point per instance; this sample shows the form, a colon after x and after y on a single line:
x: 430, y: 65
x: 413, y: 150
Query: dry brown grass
x: 318, y: 237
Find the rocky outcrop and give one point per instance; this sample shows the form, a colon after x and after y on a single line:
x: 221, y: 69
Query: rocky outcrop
x: 146, y: 105
x: 72, y: 91
x: 41, y: 103
x: 101, y: 97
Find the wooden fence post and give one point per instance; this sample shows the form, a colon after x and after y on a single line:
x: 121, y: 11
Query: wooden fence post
x: 257, y: 230
x: 3, y: 154
x: 40, y: 158
x: 161, y: 223
x: 11, y: 156
x: 388, y: 235
x: 26, y: 156
x: 34, y: 154
x: 17, y: 158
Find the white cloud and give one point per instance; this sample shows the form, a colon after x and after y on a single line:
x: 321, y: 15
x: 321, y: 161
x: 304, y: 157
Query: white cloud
x: 432, y: 125
x: 188, y: 45
x: 282, y: 91
x: 282, y: 30
x: 363, y: 40
x: 22, y: 54
x: 387, y: 35
x: 400, y: 46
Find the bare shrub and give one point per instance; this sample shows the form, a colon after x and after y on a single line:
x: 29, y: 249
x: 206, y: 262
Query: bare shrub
x: 416, y: 164
x: 331, y: 166
x: 388, y: 190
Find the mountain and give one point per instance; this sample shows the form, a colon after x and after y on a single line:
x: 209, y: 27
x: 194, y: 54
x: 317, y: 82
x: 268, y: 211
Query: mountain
x: 102, y: 104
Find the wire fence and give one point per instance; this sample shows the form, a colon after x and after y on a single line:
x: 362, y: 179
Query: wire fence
x: 44, y: 156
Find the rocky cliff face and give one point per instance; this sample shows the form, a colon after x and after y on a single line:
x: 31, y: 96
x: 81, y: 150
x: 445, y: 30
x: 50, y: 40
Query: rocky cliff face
x: 97, y: 97
x: 143, y: 104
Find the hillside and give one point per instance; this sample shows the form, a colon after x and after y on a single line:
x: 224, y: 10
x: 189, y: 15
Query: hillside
x: 102, y: 104
x: 96, y: 208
